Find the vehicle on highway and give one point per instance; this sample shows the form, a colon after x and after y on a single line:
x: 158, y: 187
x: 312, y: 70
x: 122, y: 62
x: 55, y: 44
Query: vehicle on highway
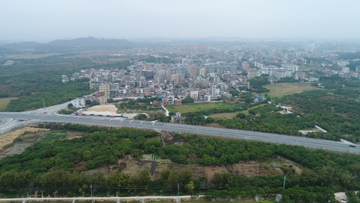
x: 352, y: 146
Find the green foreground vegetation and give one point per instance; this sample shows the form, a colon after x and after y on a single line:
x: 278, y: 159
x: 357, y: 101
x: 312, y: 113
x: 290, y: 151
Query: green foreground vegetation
x: 51, y: 167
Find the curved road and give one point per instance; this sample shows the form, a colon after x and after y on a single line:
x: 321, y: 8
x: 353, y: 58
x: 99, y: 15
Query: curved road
x: 182, y: 128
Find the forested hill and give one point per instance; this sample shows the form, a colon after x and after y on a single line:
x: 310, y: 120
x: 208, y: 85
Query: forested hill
x: 93, y: 43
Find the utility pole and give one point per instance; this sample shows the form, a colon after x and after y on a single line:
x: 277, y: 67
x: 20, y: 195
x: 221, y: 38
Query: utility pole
x: 284, y: 182
x: 43, y: 103
x: 92, y: 199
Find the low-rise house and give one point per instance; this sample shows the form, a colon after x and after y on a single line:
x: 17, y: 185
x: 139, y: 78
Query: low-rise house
x: 102, y: 100
x: 65, y: 79
x: 177, y: 118
x: 78, y: 102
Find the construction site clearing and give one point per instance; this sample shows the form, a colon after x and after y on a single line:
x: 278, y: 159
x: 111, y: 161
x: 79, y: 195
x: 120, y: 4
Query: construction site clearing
x: 108, y: 110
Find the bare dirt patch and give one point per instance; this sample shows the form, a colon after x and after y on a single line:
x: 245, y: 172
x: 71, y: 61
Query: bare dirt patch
x: 104, y: 169
x: 8, y: 149
x: 160, y: 167
x: 210, y: 171
x: 248, y: 169
x: 198, y: 171
x: 18, y: 149
x: 108, y: 107
x: 7, y: 139
x: 131, y: 167
x: 169, y: 139
x: 74, y: 134
x: 81, y: 166
x: 293, y: 165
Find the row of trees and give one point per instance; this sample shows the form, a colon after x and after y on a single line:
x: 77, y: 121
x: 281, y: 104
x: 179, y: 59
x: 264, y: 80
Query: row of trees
x: 74, y: 184
x: 63, y: 182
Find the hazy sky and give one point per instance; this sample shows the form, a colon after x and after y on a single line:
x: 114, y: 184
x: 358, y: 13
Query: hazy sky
x: 44, y: 20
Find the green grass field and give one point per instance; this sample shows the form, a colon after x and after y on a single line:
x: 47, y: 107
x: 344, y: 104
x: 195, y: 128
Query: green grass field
x: 55, y: 135
x: 197, y: 107
x: 231, y: 115
x: 32, y: 56
x: 281, y: 89
x: 4, y: 102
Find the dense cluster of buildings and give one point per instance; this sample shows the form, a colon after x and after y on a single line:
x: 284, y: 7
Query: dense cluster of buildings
x: 204, y: 73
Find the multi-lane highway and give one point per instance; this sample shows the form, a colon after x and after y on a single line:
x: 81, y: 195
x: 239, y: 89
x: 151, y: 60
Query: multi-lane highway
x: 222, y: 132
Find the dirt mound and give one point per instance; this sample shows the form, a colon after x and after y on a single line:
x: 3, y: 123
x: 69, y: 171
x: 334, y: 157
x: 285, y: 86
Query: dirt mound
x: 108, y: 108
x: 122, y: 166
x: 198, y: 171
x: 81, y: 166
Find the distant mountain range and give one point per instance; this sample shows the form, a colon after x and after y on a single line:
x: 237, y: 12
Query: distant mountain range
x: 79, y: 44
x: 91, y: 42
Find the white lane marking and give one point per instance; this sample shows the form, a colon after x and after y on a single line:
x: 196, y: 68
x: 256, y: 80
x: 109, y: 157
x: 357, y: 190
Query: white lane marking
x: 131, y: 121
x: 141, y: 122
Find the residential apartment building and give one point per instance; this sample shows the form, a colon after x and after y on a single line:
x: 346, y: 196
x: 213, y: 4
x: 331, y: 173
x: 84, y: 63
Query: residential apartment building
x: 203, y: 72
x: 106, y: 89
x: 251, y: 73
x: 193, y: 71
x: 175, y: 78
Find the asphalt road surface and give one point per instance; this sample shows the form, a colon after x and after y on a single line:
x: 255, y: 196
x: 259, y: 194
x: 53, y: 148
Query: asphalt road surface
x: 182, y: 128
